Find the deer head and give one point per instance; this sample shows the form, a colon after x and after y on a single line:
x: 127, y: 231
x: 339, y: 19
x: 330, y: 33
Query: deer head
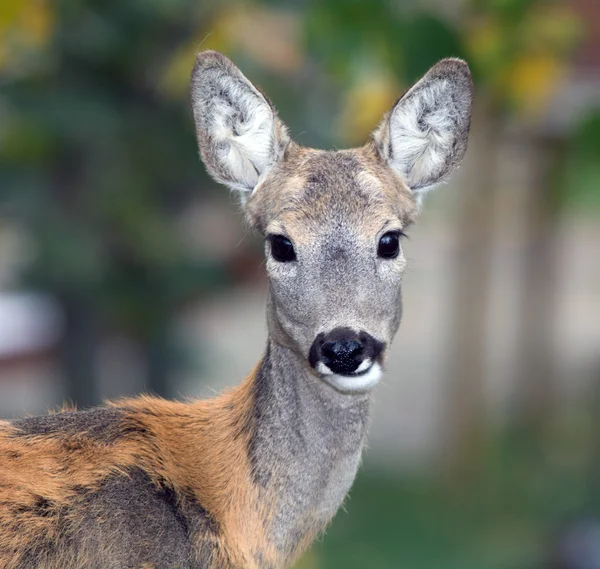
x: 333, y: 221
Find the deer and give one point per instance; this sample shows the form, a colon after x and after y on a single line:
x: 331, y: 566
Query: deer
x: 249, y: 478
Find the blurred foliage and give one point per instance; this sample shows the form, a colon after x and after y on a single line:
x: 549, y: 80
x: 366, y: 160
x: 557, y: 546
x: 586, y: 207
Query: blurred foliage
x: 582, y: 172
x: 511, y: 517
x: 520, y: 49
x: 96, y: 164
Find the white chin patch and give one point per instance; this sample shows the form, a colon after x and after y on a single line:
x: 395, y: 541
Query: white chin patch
x: 366, y: 376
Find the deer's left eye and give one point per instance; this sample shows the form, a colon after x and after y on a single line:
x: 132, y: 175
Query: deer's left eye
x: 282, y: 249
x: 389, y: 245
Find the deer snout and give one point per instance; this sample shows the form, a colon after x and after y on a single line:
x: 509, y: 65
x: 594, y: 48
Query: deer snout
x: 344, y: 352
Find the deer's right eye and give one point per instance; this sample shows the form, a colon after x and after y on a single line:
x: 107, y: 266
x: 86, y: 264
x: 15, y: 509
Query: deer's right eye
x: 282, y: 249
x: 389, y: 245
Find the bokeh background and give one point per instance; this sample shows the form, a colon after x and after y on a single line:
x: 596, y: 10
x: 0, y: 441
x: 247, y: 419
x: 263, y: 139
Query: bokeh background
x: 124, y: 269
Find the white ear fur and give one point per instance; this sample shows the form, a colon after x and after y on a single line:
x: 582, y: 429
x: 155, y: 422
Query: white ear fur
x: 424, y: 137
x: 239, y: 134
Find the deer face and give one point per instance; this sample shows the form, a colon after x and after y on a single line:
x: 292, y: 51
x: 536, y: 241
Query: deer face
x: 333, y: 222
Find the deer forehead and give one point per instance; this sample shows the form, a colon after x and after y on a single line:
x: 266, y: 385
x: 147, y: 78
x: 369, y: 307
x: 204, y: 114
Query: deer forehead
x: 314, y: 191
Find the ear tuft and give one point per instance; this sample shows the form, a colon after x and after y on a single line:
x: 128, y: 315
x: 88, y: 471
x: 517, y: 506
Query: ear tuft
x: 238, y: 132
x: 424, y: 137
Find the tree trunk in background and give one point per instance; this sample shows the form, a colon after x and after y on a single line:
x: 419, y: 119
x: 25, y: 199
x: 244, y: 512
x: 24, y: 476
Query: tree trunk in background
x: 78, y: 349
x: 465, y: 414
x: 535, y: 382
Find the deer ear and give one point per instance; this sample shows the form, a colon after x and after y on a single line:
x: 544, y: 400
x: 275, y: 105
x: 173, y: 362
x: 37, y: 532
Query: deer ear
x: 424, y: 137
x: 238, y: 132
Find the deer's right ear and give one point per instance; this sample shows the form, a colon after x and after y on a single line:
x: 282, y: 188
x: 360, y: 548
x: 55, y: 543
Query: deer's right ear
x: 238, y: 132
x: 424, y: 137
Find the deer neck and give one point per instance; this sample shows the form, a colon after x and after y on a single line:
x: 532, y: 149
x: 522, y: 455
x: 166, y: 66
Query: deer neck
x: 306, y: 447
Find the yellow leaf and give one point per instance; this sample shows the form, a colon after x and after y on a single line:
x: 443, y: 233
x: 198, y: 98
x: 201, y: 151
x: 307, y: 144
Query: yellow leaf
x: 25, y: 26
x: 9, y: 12
x: 484, y: 39
x: 36, y: 22
x: 365, y: 104
x: 531, y: 79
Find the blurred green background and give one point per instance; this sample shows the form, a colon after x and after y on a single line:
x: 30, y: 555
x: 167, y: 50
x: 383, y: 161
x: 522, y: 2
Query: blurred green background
x: 123, y: 268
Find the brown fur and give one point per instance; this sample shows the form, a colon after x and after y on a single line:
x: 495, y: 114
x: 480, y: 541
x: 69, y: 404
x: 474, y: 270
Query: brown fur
x: 199, y: 447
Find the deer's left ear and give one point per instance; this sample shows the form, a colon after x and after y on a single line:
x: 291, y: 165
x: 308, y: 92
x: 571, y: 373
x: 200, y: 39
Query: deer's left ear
x: 424, y: 137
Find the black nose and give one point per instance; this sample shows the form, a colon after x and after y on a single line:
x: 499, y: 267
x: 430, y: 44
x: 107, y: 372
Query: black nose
x: 343, y: 350
x: 342, y: 356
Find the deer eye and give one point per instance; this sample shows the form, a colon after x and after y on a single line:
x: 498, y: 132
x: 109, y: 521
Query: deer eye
x: 389, y: 245
x: 282, y: 249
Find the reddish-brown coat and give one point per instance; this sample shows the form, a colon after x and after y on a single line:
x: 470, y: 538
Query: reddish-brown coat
x: 199, y: 447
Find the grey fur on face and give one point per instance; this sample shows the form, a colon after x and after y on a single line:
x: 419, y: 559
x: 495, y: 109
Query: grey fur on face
x: 335, y: 223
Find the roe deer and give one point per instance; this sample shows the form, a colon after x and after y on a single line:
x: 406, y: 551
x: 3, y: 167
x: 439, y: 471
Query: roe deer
x: 248, y: 479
